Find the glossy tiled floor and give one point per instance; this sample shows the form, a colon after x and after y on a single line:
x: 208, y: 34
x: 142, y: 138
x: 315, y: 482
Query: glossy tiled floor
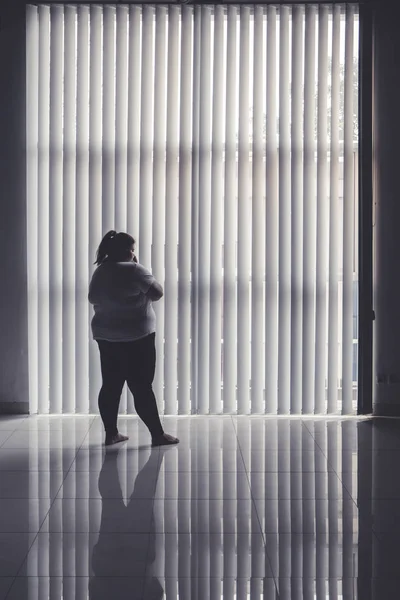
x: 244, y: 508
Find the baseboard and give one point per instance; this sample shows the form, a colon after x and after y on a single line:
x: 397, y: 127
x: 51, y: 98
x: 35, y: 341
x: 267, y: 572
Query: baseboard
x: 14, y: 408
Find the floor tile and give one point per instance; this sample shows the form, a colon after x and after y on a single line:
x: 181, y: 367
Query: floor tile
x: 385, y: 515
x: 385, y: 485
x: 5, y: 435
x: 273, y: 444
x: 208, y: 588
x: 337, y: 433
x: 310, y: 588
x: 308, y: 461
x: 36, y: 459
x: 125, y: 422
x: 193, y: 421
x: 303, y: 516
x: 20, y: 515
x: 296, y: 485
x: 192, y: 460
x: 14, y: 548
x: 385, y: 563
x: 379, y: 434
x: 137, y: 439
x: 95, y: 515
x: 82, y: 554
x: 344, y: 461
x: 30, y: 484
x: 128, y: 459
x: 216, y: 555
x: 364, y: 435
x: 203, y: 485
x: 312, y: 555
x: 63, y: 423
x: 208, y: 449
x: 11, y: 422
x: 77, y: 588
x: 380, y: 588
x: 44, y: 439
x: 206, y: 516
x: 275, y: 438
x: 5, y: 584
x: 79, y: 484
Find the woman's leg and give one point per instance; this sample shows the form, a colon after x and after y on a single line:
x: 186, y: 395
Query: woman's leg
x: 112, y: 371
x: 141, y: 369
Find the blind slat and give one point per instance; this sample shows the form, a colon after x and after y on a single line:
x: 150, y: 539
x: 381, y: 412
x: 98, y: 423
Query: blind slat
x: 121, y: 120
x: 82, y: 213
x: 69, y: 209
x: 244, y: 218
x: 218, y: 123
x: 348, y: 215
x: 333, y: 319
x: 284, y: 250
x: 171, y: 221
x: 195, y: 206
x: 271, y: 233
x: 121, y: 137
x: 55, y: 234
x: 32, y: 137
x: 309, y: 215
x: 230, y: 221
x: 258, y: 222
x: 297, y: 133
x: 133, y: 89
x: 95, y: 176
x: 322, y: 215
x: 108, y: 116
x: 146, y: 138
x: 185, y: 213
x: 134, y: 117
x: 159, y: 174
x: 204, y: 216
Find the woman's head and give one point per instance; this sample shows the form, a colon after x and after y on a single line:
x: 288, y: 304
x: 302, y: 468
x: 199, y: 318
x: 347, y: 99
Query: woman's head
x: 115, y: 247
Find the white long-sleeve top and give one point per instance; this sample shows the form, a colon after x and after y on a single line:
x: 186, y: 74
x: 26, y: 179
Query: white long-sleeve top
x: 123, y: 312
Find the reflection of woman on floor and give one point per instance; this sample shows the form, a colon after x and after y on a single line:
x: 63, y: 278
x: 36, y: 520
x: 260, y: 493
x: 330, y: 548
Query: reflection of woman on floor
x: 119, y: 556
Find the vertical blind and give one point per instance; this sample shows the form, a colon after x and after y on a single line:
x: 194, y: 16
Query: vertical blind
x: 224, y: 139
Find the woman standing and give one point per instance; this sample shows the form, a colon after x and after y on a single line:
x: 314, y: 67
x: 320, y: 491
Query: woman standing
x: 122, y: 292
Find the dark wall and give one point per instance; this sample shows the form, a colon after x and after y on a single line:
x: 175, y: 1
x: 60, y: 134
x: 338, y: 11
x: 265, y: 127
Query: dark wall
x: 13, y: 263
x: 386, y: 102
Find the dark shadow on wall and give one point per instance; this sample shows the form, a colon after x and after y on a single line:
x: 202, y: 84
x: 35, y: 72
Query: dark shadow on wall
x: 14, y: 386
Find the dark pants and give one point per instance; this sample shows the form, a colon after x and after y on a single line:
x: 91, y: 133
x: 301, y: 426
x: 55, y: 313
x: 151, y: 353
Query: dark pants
x: 135, y: 363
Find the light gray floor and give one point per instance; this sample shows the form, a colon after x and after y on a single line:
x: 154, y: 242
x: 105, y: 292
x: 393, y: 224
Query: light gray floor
x: 244, y: 508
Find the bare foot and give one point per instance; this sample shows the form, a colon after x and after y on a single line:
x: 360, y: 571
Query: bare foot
x: 115, y: 439
x: 165, y: 440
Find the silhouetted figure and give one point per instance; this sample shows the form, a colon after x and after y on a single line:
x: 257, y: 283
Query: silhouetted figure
x: 122, y: 292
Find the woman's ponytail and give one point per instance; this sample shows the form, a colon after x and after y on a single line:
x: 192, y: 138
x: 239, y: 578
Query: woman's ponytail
x: 114, y: 246
x: 104, y: 248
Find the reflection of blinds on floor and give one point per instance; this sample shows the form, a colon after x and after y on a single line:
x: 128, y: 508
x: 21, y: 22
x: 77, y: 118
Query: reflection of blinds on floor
x: 295, y: 482
x: 222, y: 139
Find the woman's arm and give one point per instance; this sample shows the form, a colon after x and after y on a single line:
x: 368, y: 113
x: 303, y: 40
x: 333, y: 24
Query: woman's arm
x: 155, y: 292
x: 148, y: 284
